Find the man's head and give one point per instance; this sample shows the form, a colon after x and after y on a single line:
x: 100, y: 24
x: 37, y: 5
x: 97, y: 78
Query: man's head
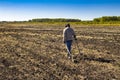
x: 67, y: 25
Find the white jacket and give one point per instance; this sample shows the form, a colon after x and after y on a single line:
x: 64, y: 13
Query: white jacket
x: 68, y: 34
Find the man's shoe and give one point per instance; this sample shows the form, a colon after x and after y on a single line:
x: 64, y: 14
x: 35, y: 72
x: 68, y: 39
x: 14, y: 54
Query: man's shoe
x: 68, y: 56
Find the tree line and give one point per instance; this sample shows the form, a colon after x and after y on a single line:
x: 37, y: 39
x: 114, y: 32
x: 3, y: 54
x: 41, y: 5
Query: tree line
x: 101, y: 20
x: 54, y: 20
x: 104, y: 19
x: 107, y: 19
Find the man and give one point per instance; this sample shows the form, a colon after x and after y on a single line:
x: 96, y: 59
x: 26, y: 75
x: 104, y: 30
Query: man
x: 68, y: 36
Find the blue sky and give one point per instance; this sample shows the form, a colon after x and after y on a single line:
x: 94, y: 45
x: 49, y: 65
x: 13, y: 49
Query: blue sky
x: 19, y: 10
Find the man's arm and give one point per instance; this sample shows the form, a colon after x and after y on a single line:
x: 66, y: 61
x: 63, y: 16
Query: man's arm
x: 75, y: 37
x: 73, y: 33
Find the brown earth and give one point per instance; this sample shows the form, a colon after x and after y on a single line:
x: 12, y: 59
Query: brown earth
x: 34, y: 53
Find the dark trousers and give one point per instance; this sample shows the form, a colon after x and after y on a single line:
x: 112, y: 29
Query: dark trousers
x: 68, y: 45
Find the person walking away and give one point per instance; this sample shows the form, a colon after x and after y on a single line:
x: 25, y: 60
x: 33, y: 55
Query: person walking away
x: 68, y: 37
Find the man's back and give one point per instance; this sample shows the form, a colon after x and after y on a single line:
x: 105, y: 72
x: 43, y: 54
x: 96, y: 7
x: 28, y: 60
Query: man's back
x: 68, y: 34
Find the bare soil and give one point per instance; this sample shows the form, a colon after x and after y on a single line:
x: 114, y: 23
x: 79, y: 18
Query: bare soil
x: 34, y: 53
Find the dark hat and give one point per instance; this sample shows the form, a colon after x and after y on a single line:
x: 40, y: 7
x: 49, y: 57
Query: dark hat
x: 67, y: 25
